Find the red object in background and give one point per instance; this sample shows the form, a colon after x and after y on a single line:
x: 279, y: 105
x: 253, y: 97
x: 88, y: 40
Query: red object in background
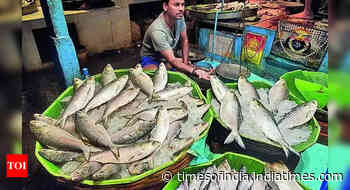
x: 16, y: 165
x: 324, y: 128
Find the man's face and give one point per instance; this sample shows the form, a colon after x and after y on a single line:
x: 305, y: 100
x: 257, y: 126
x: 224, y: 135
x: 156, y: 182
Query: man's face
x: 175, y: 8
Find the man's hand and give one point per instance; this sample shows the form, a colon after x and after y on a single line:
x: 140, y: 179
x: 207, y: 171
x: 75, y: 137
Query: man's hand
x: 202, y: 74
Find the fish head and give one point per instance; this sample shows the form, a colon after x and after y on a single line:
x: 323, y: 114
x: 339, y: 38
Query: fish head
x: 37, y: 116
x: 282, y: 82
x: 77, y: 81
x: 162, y: 66
x: 138, y: 67
x: 212, y: 77
x: 314, y: 103
x: 91, y: 80
x: 139, y: 167
x: 108, y: 68
x: 45, y: 153
x: 36, y: 126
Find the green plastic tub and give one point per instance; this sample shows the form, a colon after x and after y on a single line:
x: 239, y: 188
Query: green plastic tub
x: 55, y: 108
x: 236, y: 161
x: 317, y: 78
x: 313, y: 124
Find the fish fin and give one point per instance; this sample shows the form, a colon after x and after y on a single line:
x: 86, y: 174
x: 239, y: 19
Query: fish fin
x: 234, y: 137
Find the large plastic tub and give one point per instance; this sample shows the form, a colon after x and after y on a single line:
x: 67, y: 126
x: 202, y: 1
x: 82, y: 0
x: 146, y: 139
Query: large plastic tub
x: 314, y: 77
x: 313, y: 124
x: 236, y: 161
x: 55, y: 108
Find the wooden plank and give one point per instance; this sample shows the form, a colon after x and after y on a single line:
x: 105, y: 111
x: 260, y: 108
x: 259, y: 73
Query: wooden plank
x: 39, y: 14
x: 65, y: 56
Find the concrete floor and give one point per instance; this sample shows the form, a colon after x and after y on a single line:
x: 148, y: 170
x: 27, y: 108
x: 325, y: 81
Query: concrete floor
x: 40, y: 89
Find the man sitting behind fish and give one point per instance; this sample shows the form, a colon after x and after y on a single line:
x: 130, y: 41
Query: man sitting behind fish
x: 161, y: 38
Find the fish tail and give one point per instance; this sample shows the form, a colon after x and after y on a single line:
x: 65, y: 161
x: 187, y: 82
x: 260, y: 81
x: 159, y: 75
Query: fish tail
x: 285, y: 150
x: 61, y: 122
x: 233, y: 136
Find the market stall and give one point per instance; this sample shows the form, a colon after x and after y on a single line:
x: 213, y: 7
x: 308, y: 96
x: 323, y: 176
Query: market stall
x: 263, y: 110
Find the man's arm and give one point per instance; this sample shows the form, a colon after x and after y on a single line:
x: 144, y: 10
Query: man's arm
x: 176, y: 62
x: 184, y: 40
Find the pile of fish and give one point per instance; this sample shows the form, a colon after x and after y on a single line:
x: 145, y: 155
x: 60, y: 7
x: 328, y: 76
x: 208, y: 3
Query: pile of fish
x: 262, y: 114
x: 120, y: 126
x: 227, y: 179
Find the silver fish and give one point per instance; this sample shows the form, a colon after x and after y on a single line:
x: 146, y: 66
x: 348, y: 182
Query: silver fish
x: 108, y: 75
x: 132, y: 132
x: 194, y: 131
x: 127, y: 154
x: 44, y: 118
x: 77, y: 83
x: 258, y: 185
x: 107, y: 93
x: 122, y: 99
x: 162, y: 155
x: 96, y: 114
x: 96, y: 134
x: 116, y: 123
x: 216, y: 105
x: 246, y: 89
x: 160, y: 131
x: 172, y: 93
x: 160, y: 78
x: 299, y: 115
x: 85, y: 170
x: 69, y: 167
x: 106, y: 171
x: 278, y: 93
x: 79, y: 100
x: 59, y: 157
x: 174, y: 85
x: 174, y: 130
x: 142, y: 80
x: 230, y: 115
x: 196, y: 100
x: 56, y: 137
x: 219, y: 88
x: 146, y: 115
x: 264, y: 120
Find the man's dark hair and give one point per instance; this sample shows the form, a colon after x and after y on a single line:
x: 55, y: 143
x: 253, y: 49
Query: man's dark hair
x: 165, y: 1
